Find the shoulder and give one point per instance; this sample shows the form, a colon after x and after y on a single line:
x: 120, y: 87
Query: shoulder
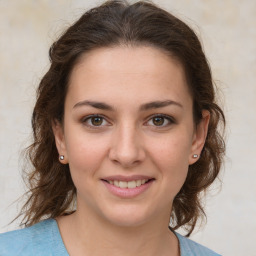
x: 191, y: 248
x: 42, y: 238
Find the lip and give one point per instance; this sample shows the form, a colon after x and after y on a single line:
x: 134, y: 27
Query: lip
x: 127, y: 192
x: 128, y: 178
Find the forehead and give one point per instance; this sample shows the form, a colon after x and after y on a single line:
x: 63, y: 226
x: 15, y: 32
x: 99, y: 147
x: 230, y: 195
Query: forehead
x: 140, y: 72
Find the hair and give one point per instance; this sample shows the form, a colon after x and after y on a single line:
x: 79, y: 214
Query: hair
x: 118, y: 23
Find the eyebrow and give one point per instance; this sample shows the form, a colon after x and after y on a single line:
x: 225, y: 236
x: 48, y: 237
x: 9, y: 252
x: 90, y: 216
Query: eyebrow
x: 159, y: 104
x: 143, y: 107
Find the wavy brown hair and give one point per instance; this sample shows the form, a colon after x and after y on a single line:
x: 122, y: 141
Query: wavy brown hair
x: 114, y: 23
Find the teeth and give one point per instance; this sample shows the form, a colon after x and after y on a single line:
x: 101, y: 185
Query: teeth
x: 127, y: 184
x: 122, y: 184
x: 131, y: 184
x: 138, y: 183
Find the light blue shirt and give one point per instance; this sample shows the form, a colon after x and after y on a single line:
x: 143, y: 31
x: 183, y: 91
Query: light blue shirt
x: 44, y: 239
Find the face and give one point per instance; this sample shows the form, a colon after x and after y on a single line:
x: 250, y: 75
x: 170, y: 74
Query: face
x: 128, y: 134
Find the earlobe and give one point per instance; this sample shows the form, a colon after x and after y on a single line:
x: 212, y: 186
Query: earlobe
x: 58, y: 132
x: 199, y: 137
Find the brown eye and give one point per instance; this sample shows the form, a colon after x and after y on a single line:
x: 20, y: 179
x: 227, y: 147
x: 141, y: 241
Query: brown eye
x: 96, y: 121
x: 158, y: 121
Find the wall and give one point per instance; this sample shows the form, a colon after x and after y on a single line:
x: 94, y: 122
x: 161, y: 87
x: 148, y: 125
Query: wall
x: 228, y: 32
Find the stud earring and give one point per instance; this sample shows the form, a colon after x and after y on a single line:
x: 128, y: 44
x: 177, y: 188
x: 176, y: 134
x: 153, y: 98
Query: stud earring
x: 195, y: 156
x: 61, y: 157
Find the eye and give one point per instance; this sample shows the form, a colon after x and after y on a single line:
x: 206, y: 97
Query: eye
x: 95, y: 121
x: 160, y: 121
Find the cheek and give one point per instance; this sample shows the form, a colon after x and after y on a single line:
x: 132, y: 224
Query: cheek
x: 85, y: 153
x: 175, y: 147
x: 171, y: 156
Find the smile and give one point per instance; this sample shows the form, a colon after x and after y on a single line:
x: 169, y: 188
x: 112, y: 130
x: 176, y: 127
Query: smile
x: 128, y: 187
x: 127, y: 184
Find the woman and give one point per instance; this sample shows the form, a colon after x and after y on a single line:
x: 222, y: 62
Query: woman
x: 125, y: 139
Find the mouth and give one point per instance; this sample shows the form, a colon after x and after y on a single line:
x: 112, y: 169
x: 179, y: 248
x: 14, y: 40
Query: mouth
x: 128, y: 187
x: 128, y: 184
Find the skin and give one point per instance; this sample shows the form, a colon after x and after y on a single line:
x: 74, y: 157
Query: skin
x: 128, y: 141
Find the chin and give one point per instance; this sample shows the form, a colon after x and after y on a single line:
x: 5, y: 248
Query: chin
x: 127, y: 216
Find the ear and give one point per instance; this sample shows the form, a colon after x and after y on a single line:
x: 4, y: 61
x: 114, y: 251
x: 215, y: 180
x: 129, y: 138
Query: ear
x: 58, y: 132
x: 199, y: 137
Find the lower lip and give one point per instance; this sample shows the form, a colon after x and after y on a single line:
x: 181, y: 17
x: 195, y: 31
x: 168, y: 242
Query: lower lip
x: 127, y: 192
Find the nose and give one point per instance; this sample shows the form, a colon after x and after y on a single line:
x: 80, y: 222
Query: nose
x: 127, y: 148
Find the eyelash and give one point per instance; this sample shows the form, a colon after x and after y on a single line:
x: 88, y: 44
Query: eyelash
x: 89, y: 118
x: 169, y: 119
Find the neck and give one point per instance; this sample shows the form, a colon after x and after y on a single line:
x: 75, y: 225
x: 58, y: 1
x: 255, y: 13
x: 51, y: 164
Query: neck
x: 84, y: 234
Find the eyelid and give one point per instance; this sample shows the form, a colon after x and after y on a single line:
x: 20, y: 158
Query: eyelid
x: 170, y: 119
x: 86, y: 118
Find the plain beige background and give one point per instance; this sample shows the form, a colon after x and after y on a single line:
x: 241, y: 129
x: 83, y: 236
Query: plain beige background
x: 227, y: 29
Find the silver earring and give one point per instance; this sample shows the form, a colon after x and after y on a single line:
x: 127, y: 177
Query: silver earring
x: 195, y: 156
x: 61, y: 157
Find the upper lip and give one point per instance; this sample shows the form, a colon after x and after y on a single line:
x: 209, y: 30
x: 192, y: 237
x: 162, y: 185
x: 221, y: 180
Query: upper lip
x: 127, y: 178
